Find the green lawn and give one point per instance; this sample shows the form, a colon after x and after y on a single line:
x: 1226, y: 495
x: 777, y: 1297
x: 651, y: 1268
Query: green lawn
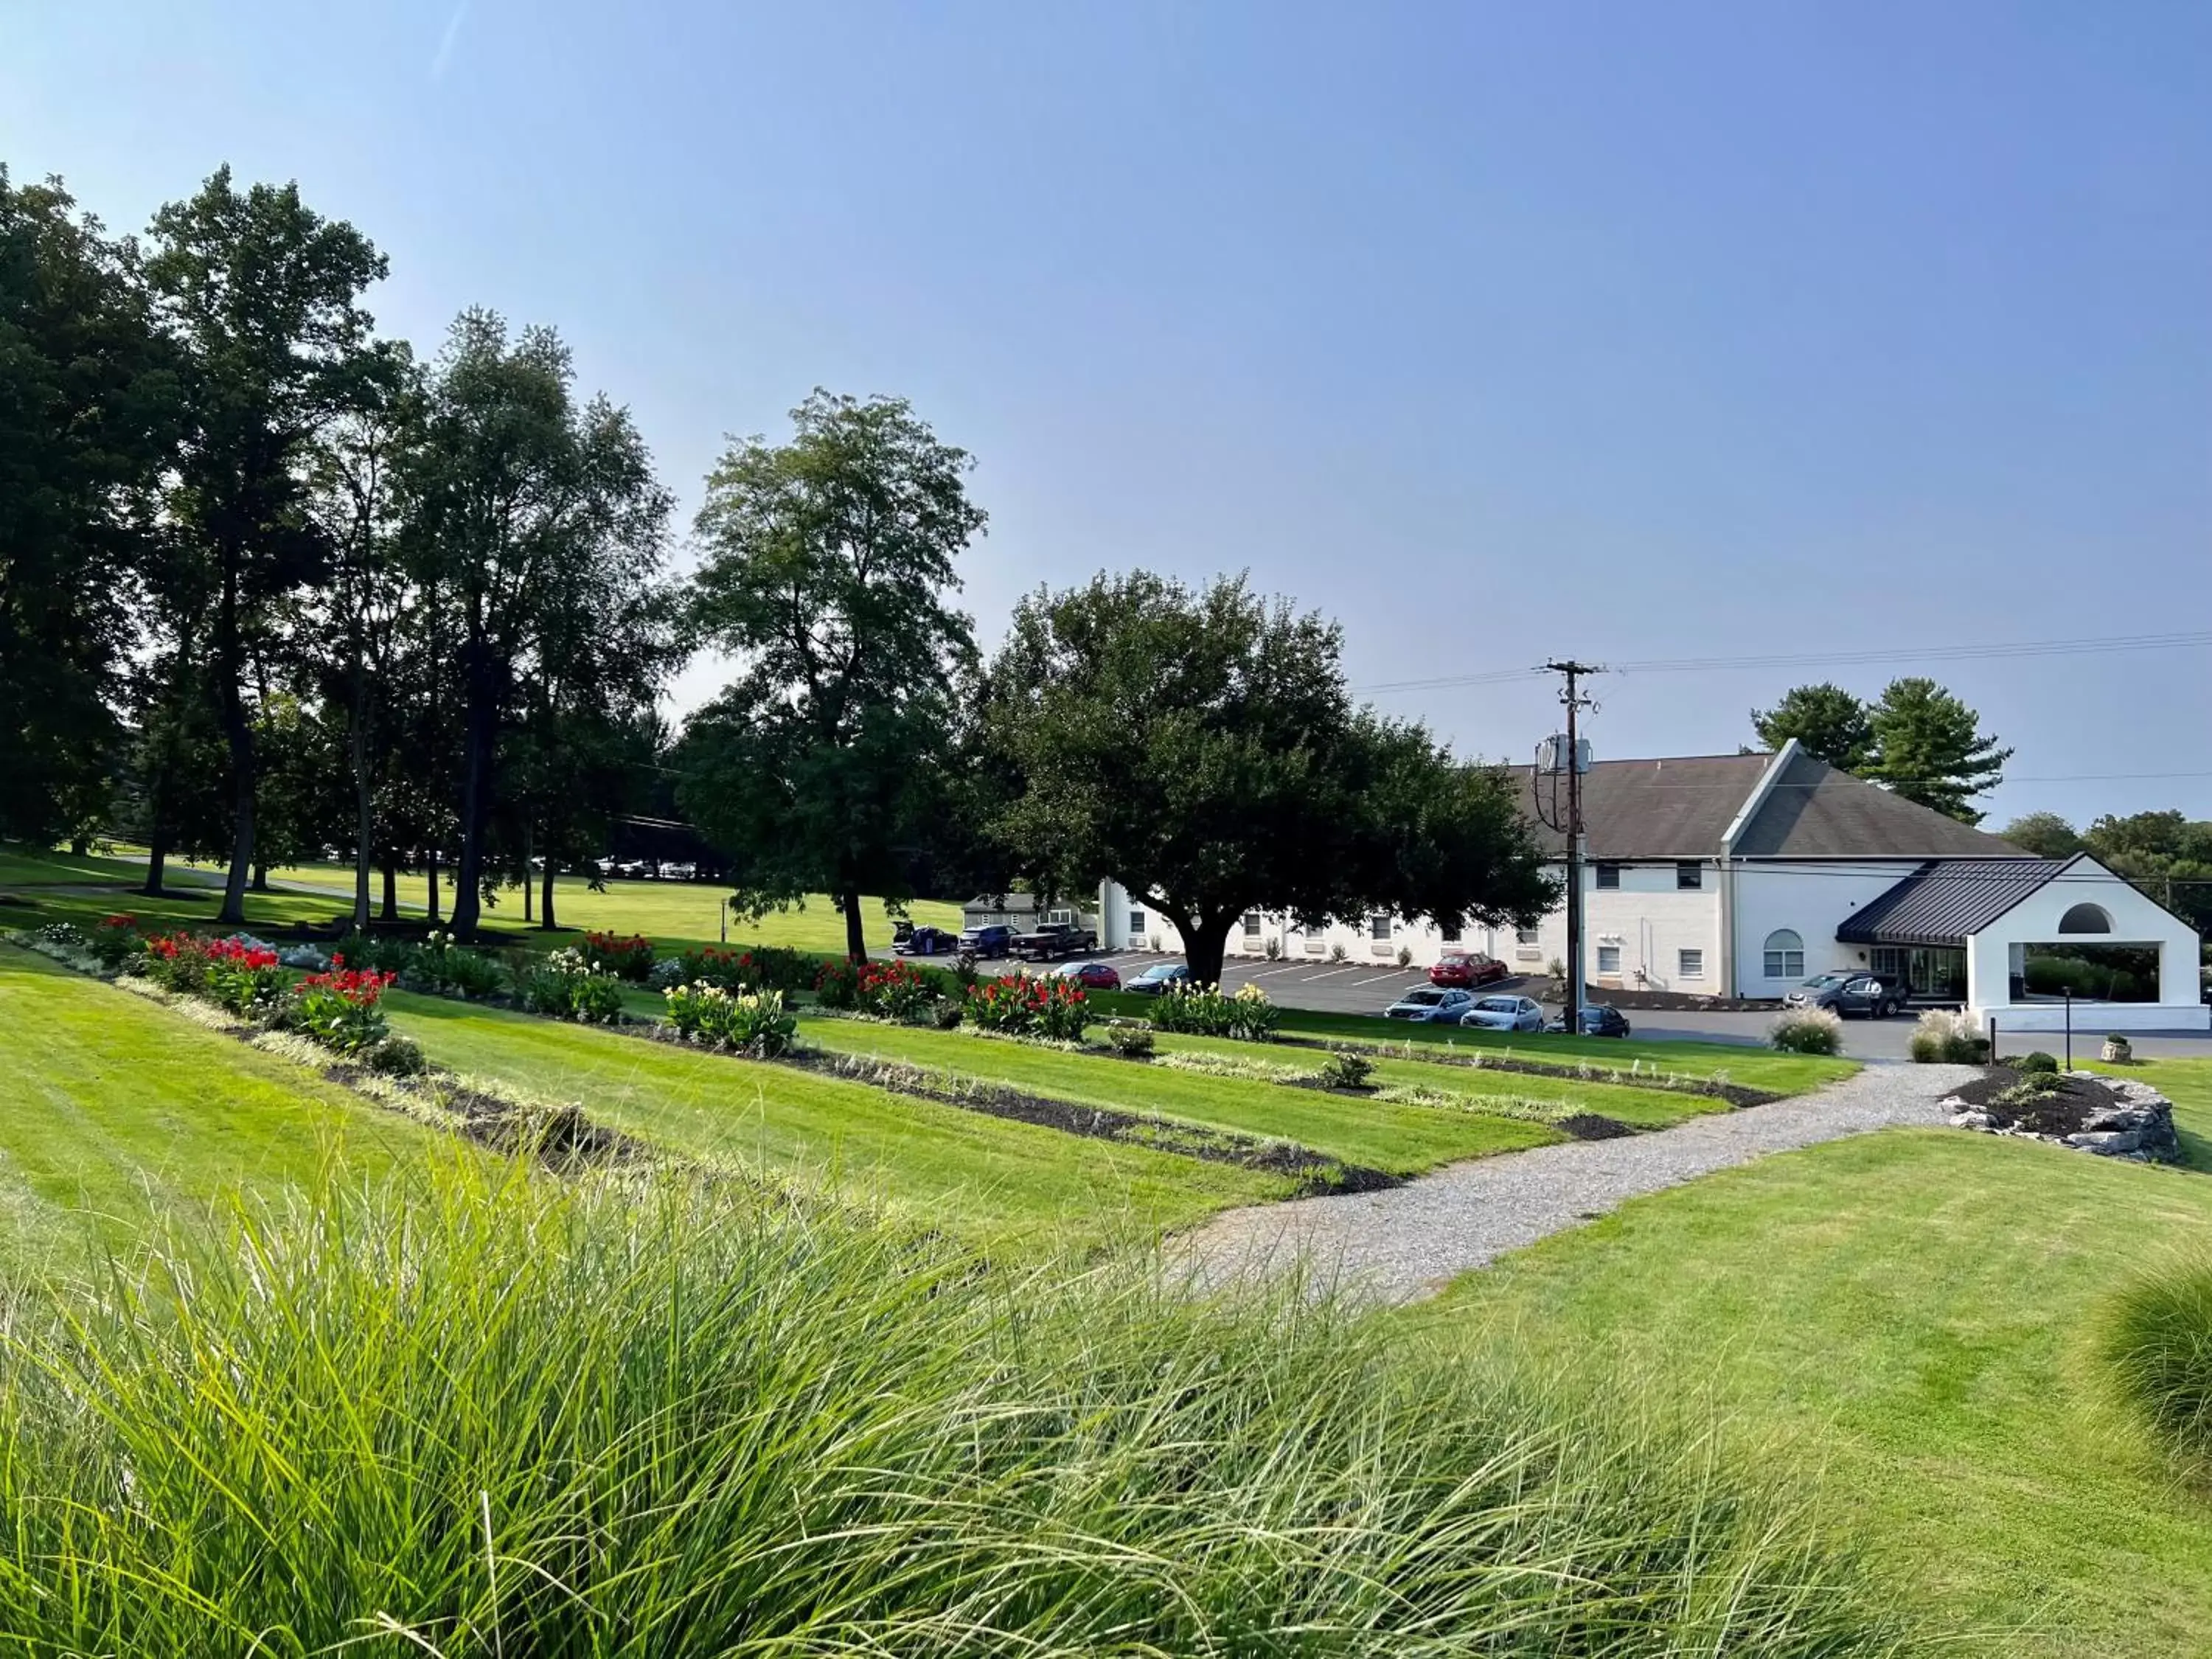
x: 1000, y: 1182
x: 112, y: 1106
x: 1398, y: 1140
x: 673, y: 912
x: 1642, y: 1105
x: 1916, y: 1310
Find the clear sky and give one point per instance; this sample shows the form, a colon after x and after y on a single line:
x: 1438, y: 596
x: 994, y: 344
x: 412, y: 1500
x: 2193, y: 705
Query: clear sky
x: 1499, y: 332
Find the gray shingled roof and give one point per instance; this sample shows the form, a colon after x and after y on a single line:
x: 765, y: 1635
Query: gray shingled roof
x: 1681, y: 808
x: 1652, y: 808
x: 1816, y: 812
x: 1947, y: 899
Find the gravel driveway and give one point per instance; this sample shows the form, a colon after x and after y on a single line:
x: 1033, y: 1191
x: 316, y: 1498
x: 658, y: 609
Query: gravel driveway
x: 1408, y: 1241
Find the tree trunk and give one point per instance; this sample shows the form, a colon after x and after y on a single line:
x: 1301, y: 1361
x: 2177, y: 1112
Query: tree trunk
x: 856, y: 939
x: 528, y: 836
x: 157, y: 855
x: 260, y: 877
x: 363, y: 809
x: 238, y: 731
x: 433, y: 865
x: 1205, y: 942
x: 545, y: 904
x: 390, y: 887
x: 80, y: 845
x: 482, y: 730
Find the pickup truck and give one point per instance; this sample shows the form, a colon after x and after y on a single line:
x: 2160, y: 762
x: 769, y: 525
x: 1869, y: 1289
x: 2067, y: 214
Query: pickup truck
x: 1051, y: 939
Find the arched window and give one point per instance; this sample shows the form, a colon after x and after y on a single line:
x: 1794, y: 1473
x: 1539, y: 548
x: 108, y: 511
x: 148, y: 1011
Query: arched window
x: 1785, y: 955
x: 2086, y: 919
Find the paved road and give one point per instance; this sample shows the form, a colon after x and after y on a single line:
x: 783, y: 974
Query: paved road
x: 1409, y: 1242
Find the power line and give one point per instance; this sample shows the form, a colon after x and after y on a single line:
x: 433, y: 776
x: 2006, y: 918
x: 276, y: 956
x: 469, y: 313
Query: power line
x: 2192, y: 640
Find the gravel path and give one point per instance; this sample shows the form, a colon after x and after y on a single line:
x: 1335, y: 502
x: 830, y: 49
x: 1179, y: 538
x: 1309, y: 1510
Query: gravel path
x: 1407, y: 1242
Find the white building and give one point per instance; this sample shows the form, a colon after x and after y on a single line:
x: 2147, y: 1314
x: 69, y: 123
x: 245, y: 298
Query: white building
x: 1740, y: 875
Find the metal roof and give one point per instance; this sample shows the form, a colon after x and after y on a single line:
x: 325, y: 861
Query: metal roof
x: 1947, y: 899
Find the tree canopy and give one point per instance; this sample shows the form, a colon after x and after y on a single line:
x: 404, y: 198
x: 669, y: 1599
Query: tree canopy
x: 1918, y: 739
x: 828, y: 568
x: 1202, y: 749
x: 1827, y: 720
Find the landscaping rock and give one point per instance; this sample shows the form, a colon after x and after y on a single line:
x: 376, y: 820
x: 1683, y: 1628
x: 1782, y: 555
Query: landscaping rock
x: 2111, y: 1117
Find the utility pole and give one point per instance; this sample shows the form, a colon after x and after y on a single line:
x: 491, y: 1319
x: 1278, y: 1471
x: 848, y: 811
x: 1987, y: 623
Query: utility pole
x: 1571, y: 695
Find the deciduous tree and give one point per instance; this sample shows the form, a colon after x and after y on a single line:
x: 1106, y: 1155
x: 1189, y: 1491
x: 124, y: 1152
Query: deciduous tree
x: 1202, y: 749
x: 828, y: 576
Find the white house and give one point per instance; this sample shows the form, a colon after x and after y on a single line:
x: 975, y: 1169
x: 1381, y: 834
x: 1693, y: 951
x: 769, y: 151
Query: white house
x: 1740, y: 875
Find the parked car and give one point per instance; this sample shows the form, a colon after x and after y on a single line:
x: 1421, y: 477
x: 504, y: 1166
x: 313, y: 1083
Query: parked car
x: 926, y: 942
x: 1466, y: 969
x: 1092, y: 976
x: 1432, y: 1005
x: 1848, y: 993
x: 1505, y: 1014
x: 680, y: 871
x: 985, y: 943
x: 1598, y: 1019
x: 1156, y: 979
x: 1050, y: 940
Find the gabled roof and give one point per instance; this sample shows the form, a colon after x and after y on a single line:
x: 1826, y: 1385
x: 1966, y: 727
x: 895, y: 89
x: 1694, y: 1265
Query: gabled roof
x: 1947, y: 899
x: 1814, y: 811
x: 1681, y: 808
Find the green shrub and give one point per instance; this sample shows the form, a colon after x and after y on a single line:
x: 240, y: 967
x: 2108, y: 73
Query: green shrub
x: 2035, y: 1061
x: 341, y: 1009
x: 2158, y: 1342
x: 397, y: 1056
x: 1948, y: 1036
x: 1807, y: 1031
x: 895, y: 990
x: 1345, y: 1069
x: 1054, y: 1008
x: 243, y: 976
x: 1206, y: 1011
x: 387, y: 953
x: 454, y: 970
x: 178, y: 962
x: 115, y: 941
x: 1132, y: 1039
x: 947, y: 1013
x: 625, y: 958
x: 563, y: 985
x: 479, y: 1415
x: 837, y: 984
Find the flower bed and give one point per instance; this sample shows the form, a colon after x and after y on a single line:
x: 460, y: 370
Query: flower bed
x: 629, y: 957
x: 753, y: 1023
x: 1207, y: 1010
x: 1014, y: 1006
x: 565, y: 986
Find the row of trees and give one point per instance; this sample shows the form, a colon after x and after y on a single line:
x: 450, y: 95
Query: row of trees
x: 268, y: 583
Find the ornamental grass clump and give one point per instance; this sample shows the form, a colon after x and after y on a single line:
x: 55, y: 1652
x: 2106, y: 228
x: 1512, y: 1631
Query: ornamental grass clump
x: 1948, y: 1036
x: 753, y: 1023
x: 2157, y: 1341
x: 476, y: 1414
x: 1807, y: 1031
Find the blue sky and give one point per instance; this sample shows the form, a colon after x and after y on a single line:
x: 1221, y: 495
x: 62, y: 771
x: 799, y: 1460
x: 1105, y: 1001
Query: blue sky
x: 1626, y: 331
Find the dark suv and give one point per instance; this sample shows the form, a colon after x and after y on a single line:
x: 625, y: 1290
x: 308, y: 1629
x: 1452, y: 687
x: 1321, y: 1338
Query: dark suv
x: 1848, y: 993
x: 986, y: 942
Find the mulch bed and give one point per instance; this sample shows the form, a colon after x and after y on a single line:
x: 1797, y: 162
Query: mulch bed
x: 1590, y: 1126
x: 2063, y: 1113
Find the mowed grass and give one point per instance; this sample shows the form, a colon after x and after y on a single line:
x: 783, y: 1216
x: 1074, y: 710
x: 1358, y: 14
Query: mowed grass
x: 1001, y: 1183
x: 1644, y: 1106
x: 675, y: 912
x: 112, y: 1107
x: 1397, y: 1139
x: 1755, y: 1069
x: 1920, y: 1311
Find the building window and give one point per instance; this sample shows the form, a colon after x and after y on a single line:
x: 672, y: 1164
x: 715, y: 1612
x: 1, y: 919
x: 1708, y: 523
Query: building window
x: 1251, y: 924
x: 1608, y: 875
x: 1689, y: 875
x: 1608, y: 959
x: 2086, y: 919
x: 1690, y: 964
x: 1524, y: 935
x: 1136, y: 924
x: 1378, y: 926
x: 1785, y: 955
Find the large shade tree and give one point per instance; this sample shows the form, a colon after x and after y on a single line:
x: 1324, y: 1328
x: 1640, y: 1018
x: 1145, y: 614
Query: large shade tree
x: 1827, y: 720
x: 261, y: 295
x: 523, y: 504
x: 1202, y: 749
x: 829, y: 565
x: 1929, y: 748
x: 86, y: 405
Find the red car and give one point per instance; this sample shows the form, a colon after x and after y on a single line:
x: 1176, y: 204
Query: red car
x: 1467, y: 969
x: 1093, y: 976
